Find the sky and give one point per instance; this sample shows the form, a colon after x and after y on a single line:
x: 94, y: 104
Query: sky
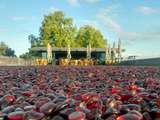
x: 135, y: 22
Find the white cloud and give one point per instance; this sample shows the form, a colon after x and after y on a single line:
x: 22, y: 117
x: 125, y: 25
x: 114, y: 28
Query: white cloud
x: 73, y: 2
x: 92, y: 1
x: 104, y: 16
x: 18, y: 18
x: 93, y: 23
x: 23, y: 18
x: 114, y: 27
x: 77, y: 2
x: 148, y: 10
x: 53, y: 9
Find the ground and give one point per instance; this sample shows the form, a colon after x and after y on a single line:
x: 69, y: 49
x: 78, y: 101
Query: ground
x: 55, y: 92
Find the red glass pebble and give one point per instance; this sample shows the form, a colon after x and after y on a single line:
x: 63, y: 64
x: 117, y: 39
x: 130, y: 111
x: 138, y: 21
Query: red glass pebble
x: 33, y: 115
x: 136, y: 113
x: 47, y: 108
x: 158, y: 102
x: 114, y: 91
x: 10, y: 98
x: 16, y: 115
x: 41, y: 101
x: 66, y: 112
x: 30, y: 107
x: 77, y: 116
x: 128, y: 117
x: 27, y: 93
x: 8, y: 109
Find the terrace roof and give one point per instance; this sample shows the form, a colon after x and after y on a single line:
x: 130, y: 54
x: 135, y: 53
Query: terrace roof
x: 65, y: 49
x: 55, y: 49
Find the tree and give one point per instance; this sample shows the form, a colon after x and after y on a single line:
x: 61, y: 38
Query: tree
x: 6, y: 51
x: 26, y: 55
x: 89, y: 35
x: 30, y: 55
x: 9, y: 52
x: 3, y: 47
x: 57, y: 30
x: 33, y: 40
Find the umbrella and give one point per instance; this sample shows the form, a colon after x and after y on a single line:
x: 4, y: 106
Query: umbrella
x: 69, y: 52
x: 49, y: 53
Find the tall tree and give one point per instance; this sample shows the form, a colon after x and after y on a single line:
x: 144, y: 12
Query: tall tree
x: 34, y: 41
x: 3, y: 47
x: 57, y: 30
x: 90, y: 35
x: 5, y: 50
x: 9, y: 52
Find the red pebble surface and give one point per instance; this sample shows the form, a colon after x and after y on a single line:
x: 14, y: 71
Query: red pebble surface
x: 80, y: 93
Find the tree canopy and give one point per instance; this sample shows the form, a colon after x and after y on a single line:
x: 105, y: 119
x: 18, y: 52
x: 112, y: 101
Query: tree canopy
x: 34, y: 41
x: 6, y: 51
x: 89, y: 35
x: 57, y: 30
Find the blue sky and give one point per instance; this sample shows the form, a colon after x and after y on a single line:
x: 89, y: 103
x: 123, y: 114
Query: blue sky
x: 135, y: 22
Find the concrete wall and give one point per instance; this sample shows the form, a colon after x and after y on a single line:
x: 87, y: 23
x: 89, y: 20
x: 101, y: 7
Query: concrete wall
x: 13, y: 61
x: 143, y: 62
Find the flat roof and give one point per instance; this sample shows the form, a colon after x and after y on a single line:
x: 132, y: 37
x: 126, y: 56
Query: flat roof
x: 65, y: 49
x: 54, y: 49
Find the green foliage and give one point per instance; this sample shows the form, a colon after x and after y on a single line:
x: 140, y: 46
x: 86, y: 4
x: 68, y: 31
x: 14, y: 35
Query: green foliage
x: 57, y: 30
x: 6, y: 51
x: 9, y: 52
x: 89, y: 35
x: 3, y: 47
x: 30, y: 55
x: 34, y: 41
x: 26, y: 55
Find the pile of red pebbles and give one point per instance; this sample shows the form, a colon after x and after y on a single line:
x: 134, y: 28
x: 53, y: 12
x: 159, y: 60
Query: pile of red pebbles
x: 80, y: 93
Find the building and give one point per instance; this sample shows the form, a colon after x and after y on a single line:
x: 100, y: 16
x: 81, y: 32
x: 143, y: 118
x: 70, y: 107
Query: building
x: 76, y: 53
x: 101, y: 54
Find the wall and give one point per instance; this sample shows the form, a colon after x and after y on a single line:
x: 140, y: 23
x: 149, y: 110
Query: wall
x: 13, y: 61
x: 143, y: 62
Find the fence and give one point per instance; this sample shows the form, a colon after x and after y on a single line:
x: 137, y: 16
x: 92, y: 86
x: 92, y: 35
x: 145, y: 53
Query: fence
x: 143, y: 62
x: 13, y: 61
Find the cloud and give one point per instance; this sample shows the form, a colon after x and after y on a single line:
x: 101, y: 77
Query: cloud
x: 53, y: 9
x: 110, y: 23
x: 18, y: 18
x: 148, y: 10
x: 93, y: 23
x: 114, y: 27
x: 92, y: 1
x: 104, y: 16
x: 73, y: 2
x: 23, y: 18
x: 77, y: 2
